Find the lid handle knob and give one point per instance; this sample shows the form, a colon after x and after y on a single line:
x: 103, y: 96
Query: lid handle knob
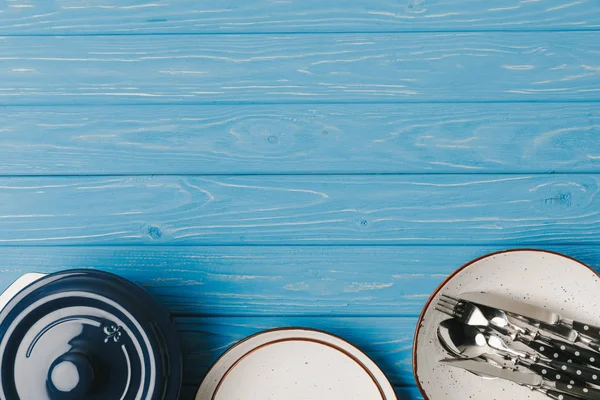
x: 71, y: 376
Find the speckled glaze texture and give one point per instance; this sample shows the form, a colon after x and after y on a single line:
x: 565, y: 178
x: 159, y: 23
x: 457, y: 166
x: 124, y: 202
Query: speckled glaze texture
x: 539, y: 278
x: 295, y: 364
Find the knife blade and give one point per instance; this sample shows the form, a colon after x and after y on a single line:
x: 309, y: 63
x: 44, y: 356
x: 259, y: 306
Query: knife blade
x: 535, y: 327
x: 512, y: 306
x: 478, y: 367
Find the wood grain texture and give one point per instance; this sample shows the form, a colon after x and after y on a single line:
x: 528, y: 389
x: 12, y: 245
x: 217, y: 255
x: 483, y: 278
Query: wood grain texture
x: 175, y: 273
x: 439, y: 67
x: 184, y: 16
x: 267, y: 281
x: 250, y: 210
x: 387, y: 341
x: 177, y: 89
x: 293, y: 139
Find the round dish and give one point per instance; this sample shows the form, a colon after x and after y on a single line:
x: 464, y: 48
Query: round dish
x: 86, y: 334
x: 295, y: 364
x: 538, y: 277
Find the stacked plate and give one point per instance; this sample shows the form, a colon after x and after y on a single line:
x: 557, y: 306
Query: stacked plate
x: 295, y: 364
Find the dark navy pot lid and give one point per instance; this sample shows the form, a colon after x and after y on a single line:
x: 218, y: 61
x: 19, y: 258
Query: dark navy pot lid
x: 85, y: 334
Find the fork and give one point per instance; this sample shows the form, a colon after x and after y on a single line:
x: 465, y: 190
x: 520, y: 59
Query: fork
x: 461, y: 310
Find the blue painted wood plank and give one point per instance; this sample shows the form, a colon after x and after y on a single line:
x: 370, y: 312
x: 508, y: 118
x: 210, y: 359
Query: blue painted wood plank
x: 387, y: 341
x: 439, y: 67
x: 267, y: 281
x: 296, y: 139
x: 377, y: 209
x: 183, y: 16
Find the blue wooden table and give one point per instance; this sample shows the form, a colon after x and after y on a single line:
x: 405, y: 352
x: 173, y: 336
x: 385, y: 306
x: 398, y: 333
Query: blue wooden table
x: 259, y: 164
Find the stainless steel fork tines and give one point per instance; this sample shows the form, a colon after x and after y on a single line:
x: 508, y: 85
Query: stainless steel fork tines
x: 463, y: 311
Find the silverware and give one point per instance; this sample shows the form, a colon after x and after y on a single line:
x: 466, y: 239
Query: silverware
x: 532, y: 312
x: 530, y: 335
x: 482, y: 316
x: 468, y: 342
x: 465, y: 312
x: 475, y: 332
x: 475, y: 314
x: 553, y: 389
x: 561, y: 331
x: 497, y: 343
x: 462, y: 340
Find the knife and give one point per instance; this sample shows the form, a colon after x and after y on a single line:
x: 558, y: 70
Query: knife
x: 533, y: 326
x: 529, y: 311
x: 554, y: 390
x: 540, y: 369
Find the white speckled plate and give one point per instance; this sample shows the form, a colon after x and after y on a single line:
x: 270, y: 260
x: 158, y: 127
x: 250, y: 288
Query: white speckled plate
x: 542, y: 278
x: 295, y: 364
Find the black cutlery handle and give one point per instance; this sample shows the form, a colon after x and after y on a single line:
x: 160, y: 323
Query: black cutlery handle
x: 553, y: 375
x: 591, y: 331
x: 553, y: 394
x: 578, y: 391
x: 579, y: 372
x: 579, y: 354
x: 547, y: 350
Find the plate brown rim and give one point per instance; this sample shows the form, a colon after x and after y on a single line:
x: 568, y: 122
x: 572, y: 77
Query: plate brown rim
x: 293, y: 328
x: 452, y: 275
x: 291, y: 339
